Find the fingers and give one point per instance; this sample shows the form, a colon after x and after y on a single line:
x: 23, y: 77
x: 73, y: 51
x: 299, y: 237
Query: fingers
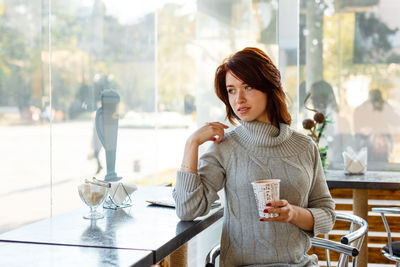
x: 282, y: 217
x: 280, y: 207
x: 278, y: 203
x: 217, y: 131
x: 211, y: 131
x: 274, y: 219
x: 217, y: 123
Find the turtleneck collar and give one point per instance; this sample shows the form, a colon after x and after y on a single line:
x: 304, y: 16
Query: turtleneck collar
x: 265, y: 139
x: 263, y: 134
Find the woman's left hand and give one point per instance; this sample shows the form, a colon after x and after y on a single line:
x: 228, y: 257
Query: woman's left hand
x: 286, y: 212
x: 301, y: 217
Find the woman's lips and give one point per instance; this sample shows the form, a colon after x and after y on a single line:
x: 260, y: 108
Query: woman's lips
x: 243, y: 110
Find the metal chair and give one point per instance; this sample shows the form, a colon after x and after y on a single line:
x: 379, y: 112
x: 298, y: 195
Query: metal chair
x: 349, y: 245
x: 392, y: 249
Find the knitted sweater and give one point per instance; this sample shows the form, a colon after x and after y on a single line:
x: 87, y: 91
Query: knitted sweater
x: 257, y: 151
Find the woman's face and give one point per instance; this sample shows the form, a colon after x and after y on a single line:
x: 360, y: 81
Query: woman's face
x: 248, y: 103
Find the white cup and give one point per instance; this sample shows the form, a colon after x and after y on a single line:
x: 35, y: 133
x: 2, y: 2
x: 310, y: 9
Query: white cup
x: 266, y: 191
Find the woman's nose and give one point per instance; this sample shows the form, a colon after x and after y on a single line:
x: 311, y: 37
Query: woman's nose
x: 240, y: 98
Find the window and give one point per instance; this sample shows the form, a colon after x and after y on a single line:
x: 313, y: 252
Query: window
x: 349, y: 62
x: 56, y: 57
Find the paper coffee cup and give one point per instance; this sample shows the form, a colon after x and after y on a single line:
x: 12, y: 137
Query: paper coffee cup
x: 266, y: 191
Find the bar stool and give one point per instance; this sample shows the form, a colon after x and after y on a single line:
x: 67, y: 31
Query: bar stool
x: 392, y: 249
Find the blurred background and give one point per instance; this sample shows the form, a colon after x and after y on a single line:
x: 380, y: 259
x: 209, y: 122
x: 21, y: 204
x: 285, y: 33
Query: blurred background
x: 160, y: 56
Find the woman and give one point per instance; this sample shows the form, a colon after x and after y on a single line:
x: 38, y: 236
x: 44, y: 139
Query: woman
x: 262, y: 147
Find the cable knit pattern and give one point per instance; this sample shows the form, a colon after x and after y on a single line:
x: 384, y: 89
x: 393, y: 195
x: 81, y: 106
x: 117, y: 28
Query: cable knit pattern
x: 256, y: 151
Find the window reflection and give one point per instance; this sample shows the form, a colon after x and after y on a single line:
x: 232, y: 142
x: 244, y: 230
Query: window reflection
x: 354, y: 47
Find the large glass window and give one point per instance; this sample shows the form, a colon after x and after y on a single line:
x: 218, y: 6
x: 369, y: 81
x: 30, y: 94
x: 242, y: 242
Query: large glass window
x: 56, y: 57
x: 350, y: 63
x: 25, y: 132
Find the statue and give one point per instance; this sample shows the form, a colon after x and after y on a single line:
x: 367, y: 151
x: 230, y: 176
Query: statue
x: 107, y: 129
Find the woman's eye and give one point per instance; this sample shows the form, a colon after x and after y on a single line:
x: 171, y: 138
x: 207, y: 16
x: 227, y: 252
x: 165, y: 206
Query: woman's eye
x: 248, y: 87
x: 231, y: 91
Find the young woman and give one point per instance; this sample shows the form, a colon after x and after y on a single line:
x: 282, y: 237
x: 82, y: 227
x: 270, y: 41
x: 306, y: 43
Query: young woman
x: 262, y: 147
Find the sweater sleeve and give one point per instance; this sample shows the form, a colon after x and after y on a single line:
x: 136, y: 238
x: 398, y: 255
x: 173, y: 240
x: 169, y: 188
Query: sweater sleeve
x: 320, y: 202
x: 194, y: 194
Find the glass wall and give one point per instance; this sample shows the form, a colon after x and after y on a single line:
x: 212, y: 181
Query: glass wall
x: 349, y: 60
x: 56, y: 57
x: 25, y: 132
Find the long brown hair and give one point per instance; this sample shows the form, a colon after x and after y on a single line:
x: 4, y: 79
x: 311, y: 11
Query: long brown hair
x: 255, y: 68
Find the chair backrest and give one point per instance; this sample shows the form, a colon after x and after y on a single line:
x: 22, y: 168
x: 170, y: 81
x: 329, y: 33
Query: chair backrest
x: 349, y: 245
x: 383, y: 211
x: 212, y: 255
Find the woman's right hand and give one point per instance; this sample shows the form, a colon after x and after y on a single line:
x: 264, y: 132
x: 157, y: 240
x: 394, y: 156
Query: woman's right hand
x: 211, y: 131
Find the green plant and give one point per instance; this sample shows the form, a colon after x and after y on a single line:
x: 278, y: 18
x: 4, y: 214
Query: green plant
x: 316, y: 127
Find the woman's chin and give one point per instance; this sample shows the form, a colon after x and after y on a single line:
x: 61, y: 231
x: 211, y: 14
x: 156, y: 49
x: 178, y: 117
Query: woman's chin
x: 245, y: 119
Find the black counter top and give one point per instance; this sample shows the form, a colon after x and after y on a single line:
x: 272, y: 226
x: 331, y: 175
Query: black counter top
x: 141, y: 226
x: 14, y: 254
x: 369, y: 180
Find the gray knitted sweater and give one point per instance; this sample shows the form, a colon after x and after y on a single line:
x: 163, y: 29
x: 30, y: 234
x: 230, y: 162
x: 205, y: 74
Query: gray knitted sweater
x: 256, y: 151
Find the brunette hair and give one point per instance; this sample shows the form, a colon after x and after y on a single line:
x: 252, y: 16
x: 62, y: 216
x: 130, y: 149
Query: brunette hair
x: 255, y: 68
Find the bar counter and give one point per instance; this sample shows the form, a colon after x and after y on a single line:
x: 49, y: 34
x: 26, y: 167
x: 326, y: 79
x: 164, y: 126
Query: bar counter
x: 142, y: 227
x: 17, y: 254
